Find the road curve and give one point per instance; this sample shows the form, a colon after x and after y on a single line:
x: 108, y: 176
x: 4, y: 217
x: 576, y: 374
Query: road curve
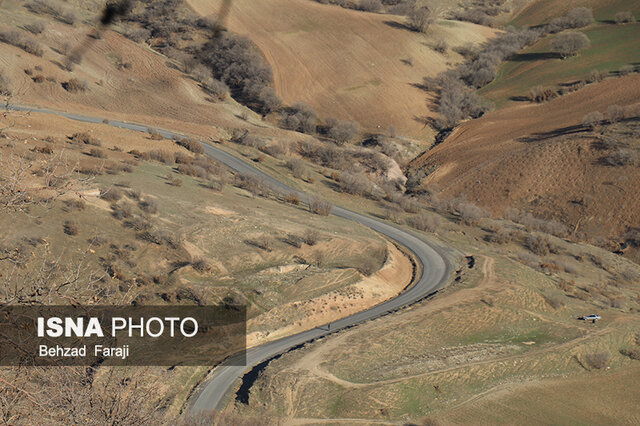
x: 436, y: 263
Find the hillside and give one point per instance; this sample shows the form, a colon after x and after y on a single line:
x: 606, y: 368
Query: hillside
x: 540, y: 11
x: 348, y: 64
x: 613, y: 49
x: 539, y: 158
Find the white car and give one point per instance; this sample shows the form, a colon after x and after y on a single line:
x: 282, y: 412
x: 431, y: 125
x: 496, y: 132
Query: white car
x: 593, y: 318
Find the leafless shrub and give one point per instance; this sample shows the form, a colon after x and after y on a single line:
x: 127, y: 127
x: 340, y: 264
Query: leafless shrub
x: 217, y: 88
x: 5, y: 83
x: 617, y: 302
x: 138, y: 223
x: 370, y: 5
x: 192, y: 170
x: 319, y: 206
x: 499, y: 236
x: 298, y: 168
x: 624, y: 17
x: 160, y: 237
x: 419, y: 19
x: 592, y: 120
x: 540, y: 245
x: 149, y: 206
x: 430, y: 421
x: 615, y: 113
x: 409, y: 205
x: 394, y: 214
x: 85, y: 138
x: 112, y: 194
x: 264, y: 242
x: 554, y: 301
x: 596, y: 76
x: 626, y: 70
x: 276, y: 150
x: 311, y: 237
x: 569, y: 44
x: 155, y: 135
x: 174, y: 181
x: 164, y: 157
x: 43, y: 150
x: 342, y: 131
x: 356, y: 184
x: 533, y: 223
x: 73, y: 205
x: 469, y: 213
x: 75, y: 85
x: 292, y: 198
x: 35, y: 27
x: 97, y: 153
x: 201, y: 265
x: 192, y: 145
x: 542, y: 94
x: 441, y: 46
x: 18, y: 39
x: 633, y: 353
x: 295, y: 240
x: 121, y: 211
x: 597, y: 360
x: 254, y: 184
x: 71, y: 228
x: 300, y: 117
x: 97, y: 241
x: 238, y: 63
x: 368, y: 266
x: 49, y: 7
x: 425, y: 222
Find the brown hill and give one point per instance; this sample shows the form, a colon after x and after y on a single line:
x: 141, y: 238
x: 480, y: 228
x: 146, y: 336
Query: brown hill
x: 539, y: 158
x: 345, y: 63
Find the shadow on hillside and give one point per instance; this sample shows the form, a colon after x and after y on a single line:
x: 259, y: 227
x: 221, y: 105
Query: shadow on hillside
x: 398, y: 25
x: 563, y: 131
x: 536, y: 56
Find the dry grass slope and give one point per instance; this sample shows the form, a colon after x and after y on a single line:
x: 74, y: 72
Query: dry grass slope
x: 346, y: 63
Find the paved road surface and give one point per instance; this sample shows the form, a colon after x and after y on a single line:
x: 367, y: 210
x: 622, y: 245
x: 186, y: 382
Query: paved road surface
x: 435, y: 261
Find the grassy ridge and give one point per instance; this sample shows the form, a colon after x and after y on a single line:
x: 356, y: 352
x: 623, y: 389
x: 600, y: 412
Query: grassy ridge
x: 612, y: 47
x: 542, y: 11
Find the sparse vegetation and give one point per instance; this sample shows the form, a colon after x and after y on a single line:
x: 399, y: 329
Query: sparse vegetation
x: 633, y: 353
x: 592, y: 120
x: 192, y: 145
x: 319, y: 206
x: 624, y: 17
x: 111, y: 195
x: 342, y: 131
x: 36, y: 27
x: 569, y: 44
x: 419, y: 19
x: 71, y: 228
x: 300, y: 117
x: 20, y: 40
x: 597, y: 360
x: 75, y: 85
x: 425, y: 222
x: 52, y: 8
x: 311, y: 237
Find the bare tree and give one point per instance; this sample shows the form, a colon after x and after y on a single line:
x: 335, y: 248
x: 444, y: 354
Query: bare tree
x: 419, y: 19
x: 592, y: 120
x: 624, y: 17
x: 569, y: 44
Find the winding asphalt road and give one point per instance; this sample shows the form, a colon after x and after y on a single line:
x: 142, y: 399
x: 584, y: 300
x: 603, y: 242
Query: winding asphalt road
x: 437, y: 265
